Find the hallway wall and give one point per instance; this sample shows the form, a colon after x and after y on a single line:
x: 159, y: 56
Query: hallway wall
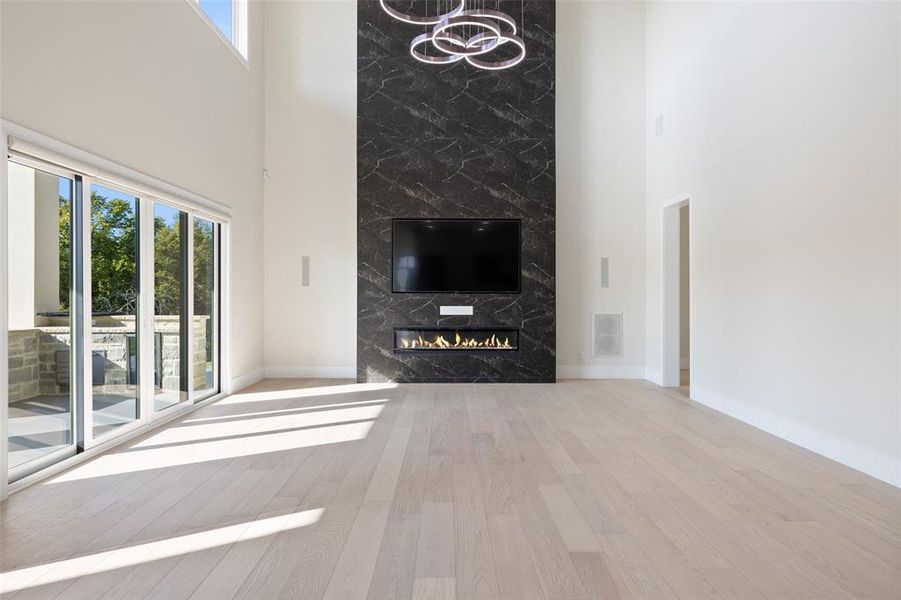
x: 782, y: 123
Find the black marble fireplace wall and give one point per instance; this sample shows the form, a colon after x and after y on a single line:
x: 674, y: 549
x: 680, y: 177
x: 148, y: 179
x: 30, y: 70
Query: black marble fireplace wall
x: 454, y: 142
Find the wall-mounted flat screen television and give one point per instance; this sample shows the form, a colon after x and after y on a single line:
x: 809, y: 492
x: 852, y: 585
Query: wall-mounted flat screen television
x: 456, y: 255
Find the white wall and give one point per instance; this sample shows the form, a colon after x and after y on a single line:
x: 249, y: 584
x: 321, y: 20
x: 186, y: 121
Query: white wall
x: 782, y: 122
x: 149, y: 85
x: 311, y: 196
x: 600, y: 181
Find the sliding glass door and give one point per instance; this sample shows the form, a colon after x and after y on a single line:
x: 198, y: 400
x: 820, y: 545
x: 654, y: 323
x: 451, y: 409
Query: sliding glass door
x: 41, y: 364
x: 113, y: 311
x: 170, y: 252
x: 115, y: 293
x: 205, y: 328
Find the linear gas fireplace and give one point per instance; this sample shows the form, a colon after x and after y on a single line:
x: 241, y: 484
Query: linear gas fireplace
x: 462, y: 339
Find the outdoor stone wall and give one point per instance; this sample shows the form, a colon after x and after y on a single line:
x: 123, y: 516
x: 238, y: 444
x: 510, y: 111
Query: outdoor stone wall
x: 36, y: 370
x: 199, y: 358
x: 24, y: 365
x: 33, y: 364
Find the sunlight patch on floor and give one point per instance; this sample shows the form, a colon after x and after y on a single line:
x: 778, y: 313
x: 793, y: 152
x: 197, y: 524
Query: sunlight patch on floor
x: 134, y: 460
x: 298, y: 409
x: 328, y: 390
x: 120, y: 558
x: 261, y: 423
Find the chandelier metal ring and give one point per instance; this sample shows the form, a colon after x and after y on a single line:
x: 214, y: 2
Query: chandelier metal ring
x: 424, y: 20
x: 486, y: 44
x: 493, y: 29
x: 444, y: 59
x: 500, y: 64
x: 495, y: 15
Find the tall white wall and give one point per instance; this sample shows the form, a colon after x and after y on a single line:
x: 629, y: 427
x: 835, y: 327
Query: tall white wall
x: 600, y: 181
x: 311, y: 195
x: 149, y: 85
x: 782, y: 122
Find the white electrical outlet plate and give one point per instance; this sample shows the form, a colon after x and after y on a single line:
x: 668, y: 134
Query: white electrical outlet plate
x: 456, y: 310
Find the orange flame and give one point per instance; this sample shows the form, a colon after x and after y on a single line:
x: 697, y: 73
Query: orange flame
x: 460, y: 342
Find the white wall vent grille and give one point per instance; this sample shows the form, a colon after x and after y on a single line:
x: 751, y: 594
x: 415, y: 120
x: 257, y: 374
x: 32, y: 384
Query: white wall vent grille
x: 607, y: 334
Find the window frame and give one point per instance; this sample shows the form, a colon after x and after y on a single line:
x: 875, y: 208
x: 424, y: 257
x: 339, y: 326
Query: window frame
x: 76, y: 397
x: 217, y: 306
x: 30, y: 148
x: 238, y: 43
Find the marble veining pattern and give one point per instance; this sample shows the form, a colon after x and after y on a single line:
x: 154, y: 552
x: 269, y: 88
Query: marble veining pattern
x: 455, y: 142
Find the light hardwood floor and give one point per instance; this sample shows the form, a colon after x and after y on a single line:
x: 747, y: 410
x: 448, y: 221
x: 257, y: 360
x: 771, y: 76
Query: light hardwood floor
x: 326, y: 489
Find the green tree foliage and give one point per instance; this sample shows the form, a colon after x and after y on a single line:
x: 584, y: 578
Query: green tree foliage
x: 114, y: 258
x: 65, y: 254
x: 204, y: 265
x: 167, y: 266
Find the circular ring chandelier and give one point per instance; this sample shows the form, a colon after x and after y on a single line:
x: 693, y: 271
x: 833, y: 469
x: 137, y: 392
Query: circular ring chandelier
x: 459, y: 34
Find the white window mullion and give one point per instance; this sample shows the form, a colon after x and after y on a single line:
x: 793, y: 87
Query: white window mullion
x: 225, y: 370
x: 189, y: 282
x: 239, y: 26
x: 217, y: 305
x: 146, y: 310
x: 85, y: 329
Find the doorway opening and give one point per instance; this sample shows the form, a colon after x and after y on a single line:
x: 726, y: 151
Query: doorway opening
x: 677, y: 296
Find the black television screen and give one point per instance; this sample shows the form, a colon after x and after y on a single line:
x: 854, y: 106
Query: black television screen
x: 456, y: 255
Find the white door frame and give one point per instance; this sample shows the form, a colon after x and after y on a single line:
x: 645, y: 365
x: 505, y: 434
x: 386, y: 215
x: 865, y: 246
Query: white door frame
x: 670, y: 297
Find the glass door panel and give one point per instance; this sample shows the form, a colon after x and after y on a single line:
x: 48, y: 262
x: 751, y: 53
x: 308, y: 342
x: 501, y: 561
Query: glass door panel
x: 114, y: 309
x: 41, y: 387
x: 206, y: 310
x: 170, y: 333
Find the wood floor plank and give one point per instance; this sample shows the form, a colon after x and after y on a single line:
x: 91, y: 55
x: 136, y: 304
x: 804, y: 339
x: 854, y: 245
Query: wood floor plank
x: 353, y: 573
x: 474, y: 558
x: 634, y: 568
x: 434, y: 589
x: 597, y: 576
x: 395, y: 568
x: 311, y: 489
x: 516, y: 572
x: 553, y: 565
x: 435, y: 554
x: 682, y: 577
x: 574, y: 529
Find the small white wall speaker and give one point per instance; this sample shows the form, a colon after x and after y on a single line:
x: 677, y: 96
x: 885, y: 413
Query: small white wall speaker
x: 607, y: 334
x: 605, y: 271
x: 658, y: 126
x: 305, y: 271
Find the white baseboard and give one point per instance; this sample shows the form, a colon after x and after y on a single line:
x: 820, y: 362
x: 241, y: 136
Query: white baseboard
x: 312, y: 372
x: 599, y: 372
x: 866, y: 460
x: 248, y: 378
x: 653, y: 376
